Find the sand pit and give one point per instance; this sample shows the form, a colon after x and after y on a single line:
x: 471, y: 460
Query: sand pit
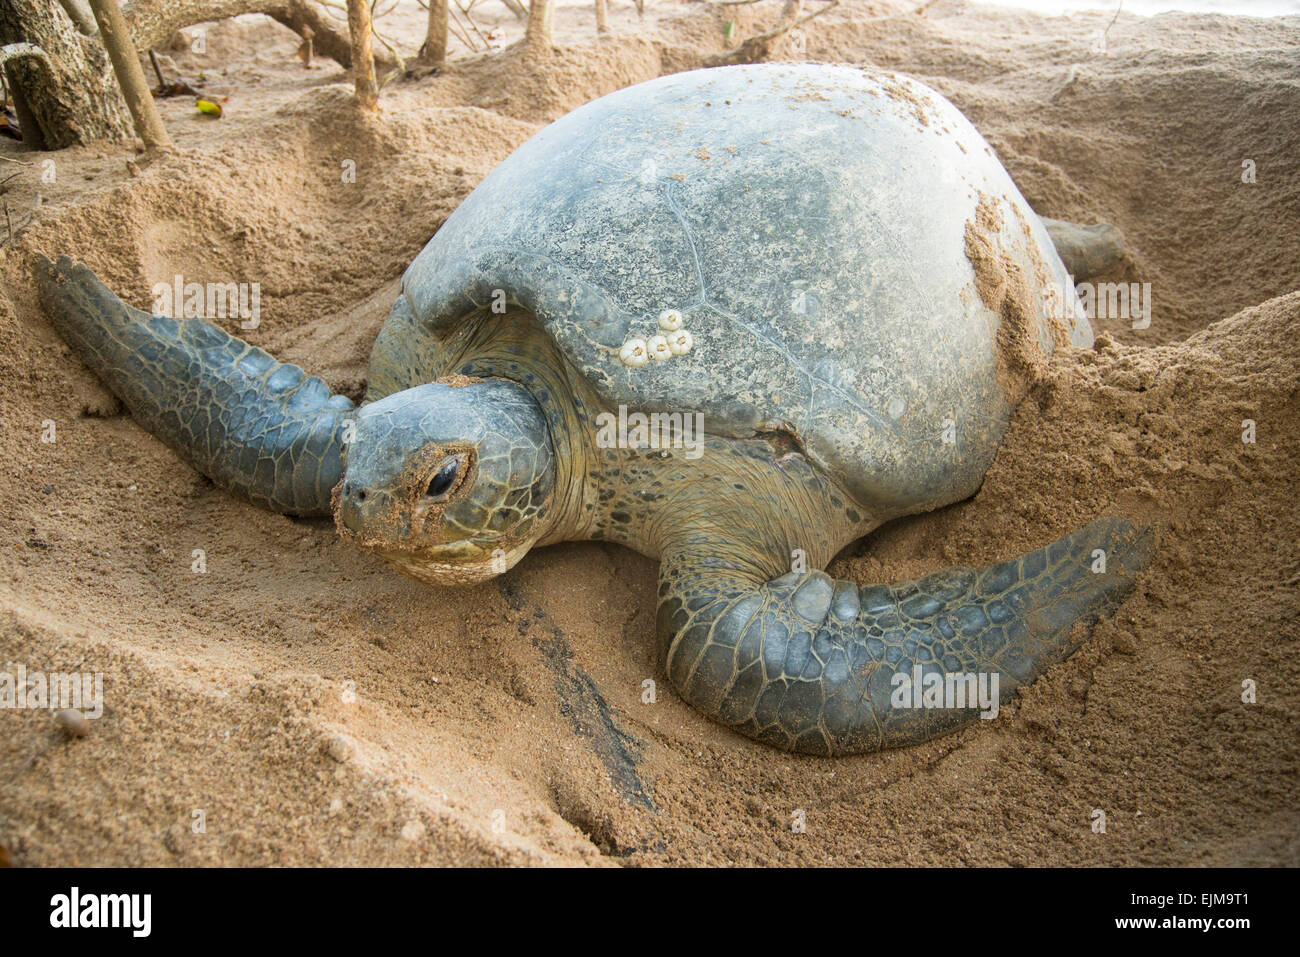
x: 309, y: 705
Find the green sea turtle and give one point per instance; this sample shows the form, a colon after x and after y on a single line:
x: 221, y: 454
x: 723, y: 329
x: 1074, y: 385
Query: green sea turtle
x: 734, y: 319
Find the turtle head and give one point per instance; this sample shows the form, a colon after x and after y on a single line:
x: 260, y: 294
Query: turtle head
x: 452, y: 482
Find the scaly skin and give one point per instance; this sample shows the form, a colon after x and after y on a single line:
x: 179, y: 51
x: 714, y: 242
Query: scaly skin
x: 793, y: 659
x: 259, y: 427
x: 807, y: 663
x: 508, y: 346
x: 401, y: 438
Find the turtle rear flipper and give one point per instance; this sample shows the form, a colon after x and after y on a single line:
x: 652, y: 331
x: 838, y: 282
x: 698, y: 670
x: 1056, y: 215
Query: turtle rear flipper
x: 259, y: 427
x: 1086, y: 251
x: 810, y: 664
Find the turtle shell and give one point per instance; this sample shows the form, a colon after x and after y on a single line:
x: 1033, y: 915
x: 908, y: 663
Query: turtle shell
x: 812, y: 225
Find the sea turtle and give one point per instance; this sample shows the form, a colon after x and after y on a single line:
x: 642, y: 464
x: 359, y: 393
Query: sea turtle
x: 734, y: 319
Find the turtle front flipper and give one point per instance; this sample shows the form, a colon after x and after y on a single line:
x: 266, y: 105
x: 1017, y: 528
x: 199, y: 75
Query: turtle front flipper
x: 1086, y: 251
x: 256, y: 426
x: 811, y: 664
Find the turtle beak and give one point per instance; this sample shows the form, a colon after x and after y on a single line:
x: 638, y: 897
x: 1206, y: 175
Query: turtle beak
x: 361, y: 513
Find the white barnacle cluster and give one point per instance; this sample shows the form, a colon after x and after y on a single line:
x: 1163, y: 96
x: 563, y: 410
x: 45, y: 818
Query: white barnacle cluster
x: 671, y: 340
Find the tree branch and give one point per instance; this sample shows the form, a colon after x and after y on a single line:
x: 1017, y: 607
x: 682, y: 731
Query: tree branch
x: 363, y: 59
x: 115, y: 35
x: 759, y: 47
x: 152, y: 22
x: 12, y: 51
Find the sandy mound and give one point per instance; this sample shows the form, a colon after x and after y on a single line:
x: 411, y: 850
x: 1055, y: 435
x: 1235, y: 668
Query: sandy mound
x: 316, y: 707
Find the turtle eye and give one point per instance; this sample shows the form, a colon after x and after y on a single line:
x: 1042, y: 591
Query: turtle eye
x: 444, y: 478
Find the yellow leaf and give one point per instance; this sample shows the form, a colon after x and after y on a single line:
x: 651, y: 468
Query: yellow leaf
x: 208, y: 106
